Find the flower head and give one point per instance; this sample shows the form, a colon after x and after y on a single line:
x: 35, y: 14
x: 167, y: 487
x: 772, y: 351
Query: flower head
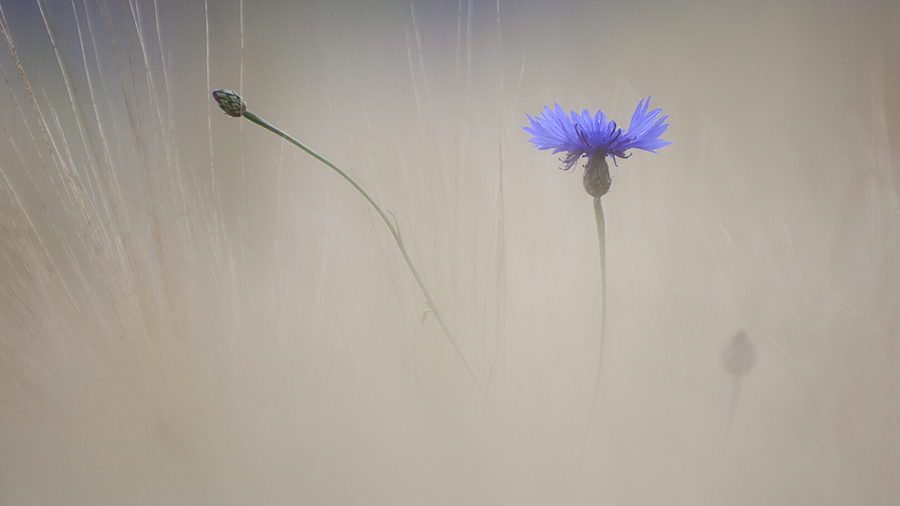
x: 595, y: 137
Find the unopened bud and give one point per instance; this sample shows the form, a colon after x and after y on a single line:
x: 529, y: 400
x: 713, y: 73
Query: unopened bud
x: 230, y: 102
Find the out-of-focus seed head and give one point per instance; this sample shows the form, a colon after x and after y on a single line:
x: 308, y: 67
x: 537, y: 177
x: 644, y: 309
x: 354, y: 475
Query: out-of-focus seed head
x: 739, y: 356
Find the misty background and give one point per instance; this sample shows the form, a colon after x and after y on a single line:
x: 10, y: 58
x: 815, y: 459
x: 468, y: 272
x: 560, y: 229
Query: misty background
x: 195, y: 312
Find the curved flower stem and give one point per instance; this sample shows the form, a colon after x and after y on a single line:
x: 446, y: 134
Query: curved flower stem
x: 394, y: 232
x: 601, y: 234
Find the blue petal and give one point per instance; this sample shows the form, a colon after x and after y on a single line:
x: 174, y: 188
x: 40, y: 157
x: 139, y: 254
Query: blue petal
x: 552, y: 130
x: 645, y: 129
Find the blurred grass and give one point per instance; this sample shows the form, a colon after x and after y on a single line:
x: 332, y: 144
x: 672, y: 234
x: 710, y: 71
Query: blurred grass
x: 194, y: 313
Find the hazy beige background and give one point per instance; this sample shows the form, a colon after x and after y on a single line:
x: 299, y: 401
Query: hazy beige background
x: 194, y: 313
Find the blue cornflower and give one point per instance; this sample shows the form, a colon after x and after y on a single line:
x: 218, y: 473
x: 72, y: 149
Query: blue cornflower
x: 596, y: 138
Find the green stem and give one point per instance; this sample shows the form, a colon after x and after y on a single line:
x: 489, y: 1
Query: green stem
x: 601, y: 235
x: 394, y: 232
